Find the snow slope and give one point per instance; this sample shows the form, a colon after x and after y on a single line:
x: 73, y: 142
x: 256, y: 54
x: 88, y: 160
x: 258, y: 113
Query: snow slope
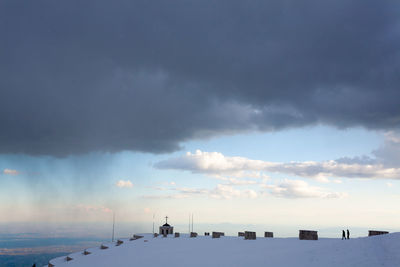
x: 202, y: 251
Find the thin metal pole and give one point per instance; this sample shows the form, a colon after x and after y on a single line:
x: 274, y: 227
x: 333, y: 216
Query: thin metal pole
x: 192, y: 222
x: 153, y: 223
x: 112, y: 239
x: 189, y: 223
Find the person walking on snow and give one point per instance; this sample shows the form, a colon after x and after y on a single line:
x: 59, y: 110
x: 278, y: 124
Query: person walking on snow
x: 343, y: 235
x: 348, y: 234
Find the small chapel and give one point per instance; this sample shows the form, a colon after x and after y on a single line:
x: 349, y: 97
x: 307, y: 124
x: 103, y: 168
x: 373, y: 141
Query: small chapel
x: 166, y: 229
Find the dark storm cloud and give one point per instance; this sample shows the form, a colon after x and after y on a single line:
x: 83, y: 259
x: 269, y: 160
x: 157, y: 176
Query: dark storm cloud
x: 80, y: 76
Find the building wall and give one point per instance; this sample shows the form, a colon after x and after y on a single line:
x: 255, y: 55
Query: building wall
x: 308, y: 235
x: 268, y: 234
x: 164, y: 230
x: 249, y: 235
x: 374, y: 232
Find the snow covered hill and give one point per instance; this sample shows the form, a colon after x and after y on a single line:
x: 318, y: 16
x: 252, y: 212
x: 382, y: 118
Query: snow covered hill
x: 203, y: 251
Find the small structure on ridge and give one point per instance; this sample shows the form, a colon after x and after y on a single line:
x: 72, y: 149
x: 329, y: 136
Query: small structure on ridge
x: 193, y: 234
x: 249, y: 235
x: 166, y: 229
x: 268, y: 234
x: 374, y: 232
x: 308, y: 235
x: 217, y: 234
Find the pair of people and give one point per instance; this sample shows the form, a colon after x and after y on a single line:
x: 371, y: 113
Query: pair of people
x: 344, y: 234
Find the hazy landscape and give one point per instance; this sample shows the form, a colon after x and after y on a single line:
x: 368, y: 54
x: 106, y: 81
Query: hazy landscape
x: 27, y: 248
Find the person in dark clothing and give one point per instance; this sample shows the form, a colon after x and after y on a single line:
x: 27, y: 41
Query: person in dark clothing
x: 348, y: 234
x: 343, y: 235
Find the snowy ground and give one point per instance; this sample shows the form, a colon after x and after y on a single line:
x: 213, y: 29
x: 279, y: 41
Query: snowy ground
x: 203, y: 251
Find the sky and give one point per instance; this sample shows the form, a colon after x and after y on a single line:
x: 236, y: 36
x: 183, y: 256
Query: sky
x: 263, y: 113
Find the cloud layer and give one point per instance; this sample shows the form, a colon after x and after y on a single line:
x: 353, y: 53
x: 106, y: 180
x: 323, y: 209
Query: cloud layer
x: 286, y: 189
x: 215, y: 163
x: 241, y: 171
x: 138, y: 75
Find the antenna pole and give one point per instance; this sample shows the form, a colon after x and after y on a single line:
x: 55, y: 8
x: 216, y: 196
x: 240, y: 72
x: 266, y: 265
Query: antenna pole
x: 189, y: 223
x: 192, y: 222
x: 153, y: 223
x: 112, y: 240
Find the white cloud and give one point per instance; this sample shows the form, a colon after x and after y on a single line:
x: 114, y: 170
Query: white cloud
x: 221, y: 191
x: 241, y: 174
x: 212, y: 163
x: 300, y: 189
x: 249, y: 194
x: 122, y: 183
x: 216, y: 164
x: 322, y: 179
x: 333, y: 168
x: 224, y: 192
x: 10, y: 172
x: 285, y: 189
x: 235, y: 181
